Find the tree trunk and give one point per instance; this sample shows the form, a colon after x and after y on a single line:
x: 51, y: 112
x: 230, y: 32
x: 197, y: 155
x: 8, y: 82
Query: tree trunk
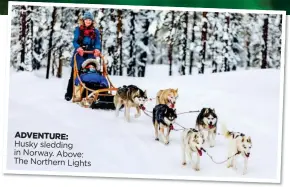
x: 101, y: 27
x: 119, y: 41
x: 248, y: 45
x: 265, y: 37
x: 32, y: 39
x: 50, y: 41
x: 203, y: 39
x: 192, y: 41
x: 227, y: 66
x: 171, y: 46
x: 132, y: 63
x: 214, y: 63
x: 184, y: 44
x: 144, y: 56
x: 60, y: 62
x: 53, y: 64
x: 22, y: 37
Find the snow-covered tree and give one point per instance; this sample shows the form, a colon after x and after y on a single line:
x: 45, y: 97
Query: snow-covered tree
x: 192, y: 20
x: 256, y: 42
x: 274, y: 41
x: 15, y: 37
x: 182, y: 41
x: 131, y: 39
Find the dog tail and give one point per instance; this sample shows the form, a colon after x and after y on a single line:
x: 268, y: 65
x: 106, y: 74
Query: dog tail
x: 225, y: 131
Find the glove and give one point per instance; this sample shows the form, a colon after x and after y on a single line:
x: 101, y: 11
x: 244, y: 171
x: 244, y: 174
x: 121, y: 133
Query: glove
x: 97, y: 53
x: 80, y: 51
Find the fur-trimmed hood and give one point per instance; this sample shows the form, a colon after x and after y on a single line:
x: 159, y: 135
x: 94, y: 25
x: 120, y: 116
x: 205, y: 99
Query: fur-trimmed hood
x: 92, y: 61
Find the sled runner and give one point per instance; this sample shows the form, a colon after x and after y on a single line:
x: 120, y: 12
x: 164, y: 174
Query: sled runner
x: 92, y: 85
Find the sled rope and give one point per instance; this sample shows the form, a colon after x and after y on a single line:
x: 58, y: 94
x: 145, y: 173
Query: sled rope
x: 146, y: 113
x: 183, y: 128
x: 191, y: 111
x: 221, y: 161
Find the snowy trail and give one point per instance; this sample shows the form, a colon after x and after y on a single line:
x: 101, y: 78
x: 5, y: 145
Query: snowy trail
x: 247, y: 101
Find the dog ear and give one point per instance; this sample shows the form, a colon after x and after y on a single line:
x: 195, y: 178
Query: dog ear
x: 206, y: 111
x: 249, y: 140
x: 213, y: 110
x: 176, y: 90
x: 138, y: 92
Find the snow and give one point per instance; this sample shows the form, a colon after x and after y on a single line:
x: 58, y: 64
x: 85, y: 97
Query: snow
x: 247, y: 101
x: 152, y: 28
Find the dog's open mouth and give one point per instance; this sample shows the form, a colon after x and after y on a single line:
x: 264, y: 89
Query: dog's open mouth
x: 171, y: 105
x: 142, y: 107
x: 247, y: 155
x: 211, y: 126
x: 199, y: 151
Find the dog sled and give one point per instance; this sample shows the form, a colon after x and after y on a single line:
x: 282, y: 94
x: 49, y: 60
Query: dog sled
x: 93, y: 89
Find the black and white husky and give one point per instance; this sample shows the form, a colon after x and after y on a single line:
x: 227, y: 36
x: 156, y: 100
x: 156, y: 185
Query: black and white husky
x: 192, y: 142
x: 163, y: 118
x: 207, y: 121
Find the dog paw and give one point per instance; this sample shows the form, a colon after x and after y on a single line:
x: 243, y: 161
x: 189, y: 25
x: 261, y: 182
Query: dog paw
x: 166, y: 142
x: 183, y: 163
x: 229, y: 165
x: 196, y: 168
x: 137, y: 115
x: 157, y: 139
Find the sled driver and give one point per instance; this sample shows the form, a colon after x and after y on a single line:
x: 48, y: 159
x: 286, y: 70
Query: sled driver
x: 86, y: 38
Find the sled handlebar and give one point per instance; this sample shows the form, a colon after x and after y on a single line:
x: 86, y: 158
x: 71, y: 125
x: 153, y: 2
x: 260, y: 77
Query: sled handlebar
x: 92, y: 52
x: 89, y: 52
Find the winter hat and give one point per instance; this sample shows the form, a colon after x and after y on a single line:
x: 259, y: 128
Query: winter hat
x: 88, y: 15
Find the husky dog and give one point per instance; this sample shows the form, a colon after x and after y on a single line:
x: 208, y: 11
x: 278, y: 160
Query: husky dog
x: 167, y: 97
x: 163, y: 117
x: 192, y: 141
x: 207, y: 121
x: 130, y: 96
x: 239, y: 144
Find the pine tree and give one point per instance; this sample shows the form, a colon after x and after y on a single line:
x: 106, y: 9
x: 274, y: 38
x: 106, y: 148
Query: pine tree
x: 192, y: 44
x: 198, y: 45
x: 256, y: 41
x: 120, y: 41
x: 204, y: 41
x: 142, y: 41
x: 265, y: 38
x: 274, y: 41
x: 131, y: 66
x: 15, y: 37
x: 51, y: 40
x: 23, y: 15
x: 182, y: 43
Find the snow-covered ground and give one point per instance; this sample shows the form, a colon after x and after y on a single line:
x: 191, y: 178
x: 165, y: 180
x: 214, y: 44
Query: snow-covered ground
x: 247, y: 101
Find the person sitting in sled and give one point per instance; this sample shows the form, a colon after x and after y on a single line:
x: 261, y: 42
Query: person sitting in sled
x: 92, y: 77
x: 86, y: 38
